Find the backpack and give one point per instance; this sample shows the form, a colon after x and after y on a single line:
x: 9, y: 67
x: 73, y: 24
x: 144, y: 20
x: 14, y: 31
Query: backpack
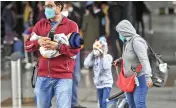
x: 158, y: 67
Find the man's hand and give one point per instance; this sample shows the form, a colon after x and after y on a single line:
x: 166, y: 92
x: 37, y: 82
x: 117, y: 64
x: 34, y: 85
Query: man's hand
x: 51, y: 45
x: 43, y: 41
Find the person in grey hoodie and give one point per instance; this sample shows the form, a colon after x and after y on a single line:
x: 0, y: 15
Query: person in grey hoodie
x: 101, y: 63
x: 135, y: 53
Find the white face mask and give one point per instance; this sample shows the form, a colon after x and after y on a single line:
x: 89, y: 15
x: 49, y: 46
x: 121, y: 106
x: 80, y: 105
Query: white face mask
x: 96, y: 11
x: 70, y: 9
x: 65, y: 13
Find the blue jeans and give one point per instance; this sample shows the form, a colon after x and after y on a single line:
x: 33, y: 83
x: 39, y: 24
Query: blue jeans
x: 46, y: 88
x: 137, y: 99
x: 76, y: 79
x: 103, y: 94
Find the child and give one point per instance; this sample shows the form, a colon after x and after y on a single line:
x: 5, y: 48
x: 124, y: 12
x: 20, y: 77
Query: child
x: 101, y: 63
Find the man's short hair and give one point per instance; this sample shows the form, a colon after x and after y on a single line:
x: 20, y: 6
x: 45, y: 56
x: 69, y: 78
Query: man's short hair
x: 61, y: 3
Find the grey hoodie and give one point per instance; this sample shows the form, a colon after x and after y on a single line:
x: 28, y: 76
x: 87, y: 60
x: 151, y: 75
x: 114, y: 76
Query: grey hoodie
x: 136, y: 53
x: 102, y: 69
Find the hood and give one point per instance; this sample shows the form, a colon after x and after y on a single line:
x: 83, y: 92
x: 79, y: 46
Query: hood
x: 126, y: 29
x: 101, y: 45
x: 104, y: 43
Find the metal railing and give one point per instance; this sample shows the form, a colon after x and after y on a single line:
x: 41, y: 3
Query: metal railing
x: 16, y: 80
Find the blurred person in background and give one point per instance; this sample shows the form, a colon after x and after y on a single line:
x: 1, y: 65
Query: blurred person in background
x: 141, y: 8
x: 69, y: 12
x: 116, y: 13
x: 80, y: 9
x: 99, y: 13
x: 90, y: 27
x: 28, y: 15
x: 39, y: 12
x: 105, y: 8
x: 9, y: 17
x: 12, y: 41
x: 73, y: 14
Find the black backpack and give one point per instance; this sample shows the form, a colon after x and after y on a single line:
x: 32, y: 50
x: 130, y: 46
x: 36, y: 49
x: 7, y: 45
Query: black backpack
x: 159, y: 77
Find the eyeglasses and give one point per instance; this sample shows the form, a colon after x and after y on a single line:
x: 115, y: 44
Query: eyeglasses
x: 48, y: 6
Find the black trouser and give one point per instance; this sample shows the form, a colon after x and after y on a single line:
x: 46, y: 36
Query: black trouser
x: 141, y: 21
x: 114, y: 36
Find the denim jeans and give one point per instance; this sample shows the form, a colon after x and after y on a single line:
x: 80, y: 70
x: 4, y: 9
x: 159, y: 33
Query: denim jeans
x: 103, y: 94
x: 76, y: 79
x: 137, y: 99
x: 47, y: 88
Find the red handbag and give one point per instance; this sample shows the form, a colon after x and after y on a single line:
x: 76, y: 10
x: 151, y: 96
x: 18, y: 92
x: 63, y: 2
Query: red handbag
x: 127, y: 84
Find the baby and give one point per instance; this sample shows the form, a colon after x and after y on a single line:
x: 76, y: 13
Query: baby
x: 73, y: 39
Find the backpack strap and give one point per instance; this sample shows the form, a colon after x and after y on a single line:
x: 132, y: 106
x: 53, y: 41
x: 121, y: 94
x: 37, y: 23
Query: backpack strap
x: 149, y: 47
x: 150, y: 50
x: 53, y: 29
x: 55, y: 26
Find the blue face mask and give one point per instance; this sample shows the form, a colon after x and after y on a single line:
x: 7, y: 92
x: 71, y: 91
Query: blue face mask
x: 50, y: 13
x: 122, y: 38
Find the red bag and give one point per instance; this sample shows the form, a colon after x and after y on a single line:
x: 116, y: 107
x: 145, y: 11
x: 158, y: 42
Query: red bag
x: 127, y: 84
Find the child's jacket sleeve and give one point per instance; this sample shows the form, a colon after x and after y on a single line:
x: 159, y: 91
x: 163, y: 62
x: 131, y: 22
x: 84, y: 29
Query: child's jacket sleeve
x: 107, y: 62
x: 89, y: 61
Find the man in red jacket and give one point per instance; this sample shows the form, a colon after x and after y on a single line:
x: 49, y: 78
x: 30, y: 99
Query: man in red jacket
x: 54, y: 74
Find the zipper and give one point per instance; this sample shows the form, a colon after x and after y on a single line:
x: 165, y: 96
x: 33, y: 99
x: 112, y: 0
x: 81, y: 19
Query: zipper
x: 49, y: 68
x: 48, y: 58
x: 68, y: 65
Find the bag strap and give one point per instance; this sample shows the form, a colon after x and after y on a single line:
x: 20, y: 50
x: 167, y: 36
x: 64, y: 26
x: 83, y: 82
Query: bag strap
x: 149, y: 47
x: 53, y: 31
x: 55, y: 26
x: 150, y: 50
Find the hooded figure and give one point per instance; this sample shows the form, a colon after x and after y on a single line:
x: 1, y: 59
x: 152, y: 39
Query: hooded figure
x: 134, y: 54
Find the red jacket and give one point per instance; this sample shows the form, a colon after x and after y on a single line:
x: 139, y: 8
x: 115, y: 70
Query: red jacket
x: 61, y: 66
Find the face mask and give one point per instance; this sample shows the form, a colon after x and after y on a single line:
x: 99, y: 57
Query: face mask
x: 96, y: 53
x: 122, y: 38
x: 50, y: 13
x: 65, y: 13
x: 95, y: 11
x: 70, y: 9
